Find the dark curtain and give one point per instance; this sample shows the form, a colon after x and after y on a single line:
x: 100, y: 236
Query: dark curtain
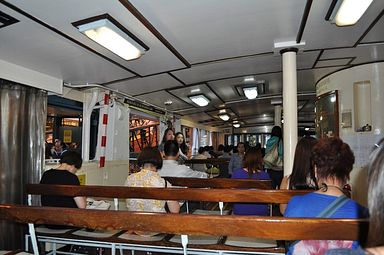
x: 23, y: 112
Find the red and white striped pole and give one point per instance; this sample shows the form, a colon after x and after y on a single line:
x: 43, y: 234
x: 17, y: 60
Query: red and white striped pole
x: 104, y: 130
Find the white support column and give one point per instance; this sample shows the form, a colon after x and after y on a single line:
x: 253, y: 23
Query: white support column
x: 289, y: 106
x: 278, y: 115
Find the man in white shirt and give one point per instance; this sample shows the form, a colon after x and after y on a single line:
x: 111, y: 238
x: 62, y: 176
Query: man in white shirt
x: 170, y: 166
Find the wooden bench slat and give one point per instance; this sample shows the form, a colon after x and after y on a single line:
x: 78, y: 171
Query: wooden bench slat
x: 191, y: 194
x: 277, y: 228
x: 220, y: 183
x: 213, y: 161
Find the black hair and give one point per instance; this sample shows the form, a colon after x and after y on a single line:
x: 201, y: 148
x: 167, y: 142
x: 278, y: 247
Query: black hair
x: 171, y: 148
x: 150, y: 155
x: 302, y: 171
x: 72, y: 158
x: 183, y: 146
x: 276, y: 131
x: 165, y: 134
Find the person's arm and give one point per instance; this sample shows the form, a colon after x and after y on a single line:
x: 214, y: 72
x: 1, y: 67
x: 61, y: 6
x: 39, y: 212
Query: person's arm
x: 284, y: 185
x: 173, y: 206
x: 230, y: 166
x: 81, y: 202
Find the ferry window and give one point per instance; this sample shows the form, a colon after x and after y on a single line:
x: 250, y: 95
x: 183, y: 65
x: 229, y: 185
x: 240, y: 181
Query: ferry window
x: 64, y: 127
x: 143, y: 133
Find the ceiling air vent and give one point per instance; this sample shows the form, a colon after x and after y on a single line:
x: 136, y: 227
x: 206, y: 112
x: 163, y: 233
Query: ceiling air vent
x: 6, y: 20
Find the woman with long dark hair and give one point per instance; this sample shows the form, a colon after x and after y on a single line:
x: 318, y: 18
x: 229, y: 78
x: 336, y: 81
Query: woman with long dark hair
x: 168, y: 135
x: 303, y: 174
x: 183, y: 147
x: 252, y: 169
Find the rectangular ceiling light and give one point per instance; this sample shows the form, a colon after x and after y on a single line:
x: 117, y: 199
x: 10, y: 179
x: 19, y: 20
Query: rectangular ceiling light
x: 110, y: 34
x: 250, y: 92
x: 224, y: 117
x: 200, y: 100
x: 348, y: 12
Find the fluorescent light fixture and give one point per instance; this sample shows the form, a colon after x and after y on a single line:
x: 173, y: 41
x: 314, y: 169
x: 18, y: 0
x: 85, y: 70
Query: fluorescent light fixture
x: 348, y: 12
x: 195, y: 90
x: 250, y: 92
x: 236, y: 125
x: 200, y: 100
x: 249, y: 79
x: 224, y: 116
x: 110, y: 34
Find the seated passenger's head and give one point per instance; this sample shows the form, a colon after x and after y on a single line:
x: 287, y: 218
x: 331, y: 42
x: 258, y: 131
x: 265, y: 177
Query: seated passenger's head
x: 171, y: 149
x: 333, y: 160
x: 73, y: 159
x: 253, y: 161
x: 150, y: 158
x: 240, y: 148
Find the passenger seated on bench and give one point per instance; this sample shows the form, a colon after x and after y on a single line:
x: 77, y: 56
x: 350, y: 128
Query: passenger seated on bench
x: 64, y: 174
x: 149, y: 161
x: 303, y: 174
x: 171, y: 168
x: 252, y: 169
x: 375, y: 204
x: 333, y: 161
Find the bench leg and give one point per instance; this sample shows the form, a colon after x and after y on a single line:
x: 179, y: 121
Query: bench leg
x: 184, y: 243
x: 33, y: 238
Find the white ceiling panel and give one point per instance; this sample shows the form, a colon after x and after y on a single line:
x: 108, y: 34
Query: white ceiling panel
x: 363, y: 54
x: 320, y: 33
x: 223, y: 28
x: 157, y: 59
x: 157, y: 98
x: 231, y: 68
x: 376, y: 34
x: 30, y: 45
x: 138, y: 86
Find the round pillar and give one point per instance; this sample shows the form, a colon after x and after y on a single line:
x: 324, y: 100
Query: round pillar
x: 289, y: 107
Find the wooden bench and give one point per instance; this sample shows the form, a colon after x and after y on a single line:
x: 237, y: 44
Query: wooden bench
x: 193, y: 194
x: 220, y: 183
x: 277, y: 228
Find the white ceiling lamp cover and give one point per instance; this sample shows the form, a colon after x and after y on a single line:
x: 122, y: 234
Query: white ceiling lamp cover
x: 348, y: 12
x: 224, y: 117
x: 236, y: 125
x: 200, y: 100
x: 250, y: 92
x: 108, y: 33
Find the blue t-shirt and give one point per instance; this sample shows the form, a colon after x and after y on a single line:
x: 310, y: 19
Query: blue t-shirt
x: 249, y: 208
x: 312, y: 204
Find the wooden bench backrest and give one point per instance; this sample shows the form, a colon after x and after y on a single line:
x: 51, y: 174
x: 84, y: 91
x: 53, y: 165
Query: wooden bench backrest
x: 191, y: 194
x: 277, y: 228
x: 212, y: 161
x: 220, y: 183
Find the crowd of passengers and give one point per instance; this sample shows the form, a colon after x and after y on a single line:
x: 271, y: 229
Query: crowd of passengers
x: 322, y: 165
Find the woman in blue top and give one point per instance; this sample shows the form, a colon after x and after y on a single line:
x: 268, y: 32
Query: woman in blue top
x: 252, y: 169
x: 333, y: 161
x: 375, y: 204
x: 276, y: 139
